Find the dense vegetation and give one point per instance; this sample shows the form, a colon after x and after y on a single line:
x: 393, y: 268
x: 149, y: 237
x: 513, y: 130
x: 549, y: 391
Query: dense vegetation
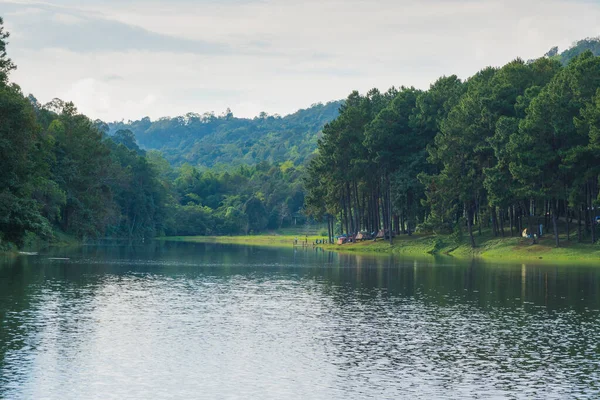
x: 505, y: 147
x: 244, y: 200
x: 508, y: 147
x: 219, y: 142
x: 62, y: 172
x: 588, y: 44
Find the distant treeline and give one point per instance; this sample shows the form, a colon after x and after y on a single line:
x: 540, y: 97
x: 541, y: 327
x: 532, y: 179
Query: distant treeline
x: 502, y: 148
x: 220, y: 142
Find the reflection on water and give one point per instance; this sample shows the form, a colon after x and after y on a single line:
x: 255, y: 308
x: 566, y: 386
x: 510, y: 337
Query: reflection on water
x: 182, y: 320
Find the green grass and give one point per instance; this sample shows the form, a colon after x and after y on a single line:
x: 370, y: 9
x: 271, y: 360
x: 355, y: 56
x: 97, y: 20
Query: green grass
x: 272, y: 240
x: 488, y: 248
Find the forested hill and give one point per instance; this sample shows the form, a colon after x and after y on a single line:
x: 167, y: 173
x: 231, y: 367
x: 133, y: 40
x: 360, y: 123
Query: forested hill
x: 580, y: 47
x: 217, y: 141
x: 225, y: 141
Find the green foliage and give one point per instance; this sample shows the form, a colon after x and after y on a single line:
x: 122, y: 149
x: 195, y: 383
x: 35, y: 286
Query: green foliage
x: 512, y: 145
x: 225, y: 141
x: 589, y: 44
x: 457, y: 235
x: 127, y: 139
x: 138, y: 193
x: 191, y: 219
x: 242, y: 200
x: 515, y: 144
x: 60, y: 174
x: 6, y: 65
x: 22, y: 166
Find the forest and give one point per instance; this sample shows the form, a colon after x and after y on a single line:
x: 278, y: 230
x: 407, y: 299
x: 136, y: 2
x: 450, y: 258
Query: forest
x: 63, y: 173
x: 502, y: 150
x: 509, y: 149
x: 220, y: 142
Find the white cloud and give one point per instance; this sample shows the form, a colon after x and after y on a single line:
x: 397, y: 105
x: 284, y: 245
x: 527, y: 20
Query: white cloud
x: 68, y: 19
x: 276, y: 55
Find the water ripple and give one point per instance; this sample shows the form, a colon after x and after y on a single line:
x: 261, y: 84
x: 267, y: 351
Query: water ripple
x: 285, y: 334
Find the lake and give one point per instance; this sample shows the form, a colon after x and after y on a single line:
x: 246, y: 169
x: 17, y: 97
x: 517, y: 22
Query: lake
x: 192, y: 320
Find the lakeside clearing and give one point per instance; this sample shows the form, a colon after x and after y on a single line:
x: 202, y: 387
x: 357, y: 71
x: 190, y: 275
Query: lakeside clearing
x: 489, y: 248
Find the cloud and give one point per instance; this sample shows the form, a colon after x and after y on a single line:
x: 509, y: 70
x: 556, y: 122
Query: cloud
x: 270, y: 55
x: 68, y: 19
x: 112, y: 78
x: 50, y: 26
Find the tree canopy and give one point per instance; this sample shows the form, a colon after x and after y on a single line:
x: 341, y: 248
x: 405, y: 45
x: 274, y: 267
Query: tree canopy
x: 210, y: 141
x: 517, y: 145
x: 510, y: 145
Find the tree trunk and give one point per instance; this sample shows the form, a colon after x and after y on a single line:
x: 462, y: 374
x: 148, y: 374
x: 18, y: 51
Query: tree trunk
x: 554, y: 223
x: 511, y: 216
x: 390, y: 211
x: 587, y: 207
x: 579, y: 238
x: 592, y: 214
x: 547, y: 211
x: 530, y: 229
x: 377, y: 211
x: 333, y: 221
x: 364, y: 211
x: 567, y: 217
x: 368, y: 220
x: 357, y: 211
x: 478, y: 214
x: 373, y: 212
x: 349, y: 202
x: 382, y: 205
x: 402, y: 222
x: 345, y: 213
x: 132, y: 227
x: 469, y: 211
x: 595, y: 192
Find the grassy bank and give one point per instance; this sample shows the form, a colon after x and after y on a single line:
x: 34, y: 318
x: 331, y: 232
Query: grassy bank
x: 35, y: 243
x: 488, y: 247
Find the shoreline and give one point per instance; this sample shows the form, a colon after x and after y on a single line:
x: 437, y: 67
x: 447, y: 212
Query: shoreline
x: 489, y: 249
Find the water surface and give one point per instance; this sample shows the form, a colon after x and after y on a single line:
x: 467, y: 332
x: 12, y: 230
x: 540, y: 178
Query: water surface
x: 189, y: 320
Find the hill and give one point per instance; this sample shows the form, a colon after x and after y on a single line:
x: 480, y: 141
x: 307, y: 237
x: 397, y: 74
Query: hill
x: 579, y: 47
x: 226, y: 141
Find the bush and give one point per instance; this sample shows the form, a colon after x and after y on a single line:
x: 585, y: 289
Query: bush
x: 458, y: 232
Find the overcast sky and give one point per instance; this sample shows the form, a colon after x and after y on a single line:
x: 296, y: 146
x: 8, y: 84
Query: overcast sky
x: 128, y: 59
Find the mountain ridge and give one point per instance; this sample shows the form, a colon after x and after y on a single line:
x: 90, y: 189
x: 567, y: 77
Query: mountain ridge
x: 225, y: 141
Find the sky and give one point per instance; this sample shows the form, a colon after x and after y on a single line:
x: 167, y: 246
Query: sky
x: 124, y: 60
